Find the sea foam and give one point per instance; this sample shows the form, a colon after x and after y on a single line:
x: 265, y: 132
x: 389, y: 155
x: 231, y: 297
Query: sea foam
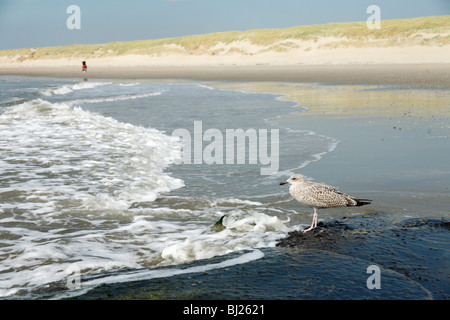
x: 62, y: 144
x: 68, y: 88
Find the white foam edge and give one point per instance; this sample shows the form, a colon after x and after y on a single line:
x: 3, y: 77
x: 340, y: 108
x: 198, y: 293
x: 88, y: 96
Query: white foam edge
x: 315, y: 157
x: 68, y: 88
x: 115, y: 98
x: 300, y: 108
x: 147, y: 274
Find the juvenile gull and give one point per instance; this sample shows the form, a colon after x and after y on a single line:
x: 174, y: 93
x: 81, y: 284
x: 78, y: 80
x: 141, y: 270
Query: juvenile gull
x: 319, y: 196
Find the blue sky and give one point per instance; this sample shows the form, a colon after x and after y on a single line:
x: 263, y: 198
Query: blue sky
x: 42, y: 23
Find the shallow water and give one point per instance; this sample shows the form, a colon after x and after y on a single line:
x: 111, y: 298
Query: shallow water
x: 93, y: 187
x: 336, y: 261
x: 91, y: 178
x: 283, y: 274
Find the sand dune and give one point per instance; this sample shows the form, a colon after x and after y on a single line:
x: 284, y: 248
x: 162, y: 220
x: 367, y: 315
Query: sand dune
x: 316, y: 56
x: 406, y: 41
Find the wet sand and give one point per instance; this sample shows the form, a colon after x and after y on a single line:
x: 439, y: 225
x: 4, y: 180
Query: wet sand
x: 417, y: 75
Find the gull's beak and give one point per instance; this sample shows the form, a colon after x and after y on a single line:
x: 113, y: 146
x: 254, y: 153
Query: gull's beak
x: 284, y: 182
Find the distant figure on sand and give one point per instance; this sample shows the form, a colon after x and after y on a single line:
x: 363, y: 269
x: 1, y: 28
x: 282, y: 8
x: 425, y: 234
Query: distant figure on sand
x: 84, y: 66
x: 319, y: 196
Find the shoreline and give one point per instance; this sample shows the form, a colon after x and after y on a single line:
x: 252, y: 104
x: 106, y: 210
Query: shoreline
x: 344, y: 246
x: 426, y: 76
x: 335, y: 257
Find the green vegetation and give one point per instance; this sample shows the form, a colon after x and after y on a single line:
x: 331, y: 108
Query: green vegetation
x: 401, y: 32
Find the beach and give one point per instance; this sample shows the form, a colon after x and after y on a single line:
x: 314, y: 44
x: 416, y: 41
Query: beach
x: 397, y: 158
x: 414, y: 75
x: 390, y: 150
x: 100, y: 202
x: 405, y: 51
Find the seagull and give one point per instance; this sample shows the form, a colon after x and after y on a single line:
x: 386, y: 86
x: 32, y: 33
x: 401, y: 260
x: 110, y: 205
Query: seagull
x: 319, y: 196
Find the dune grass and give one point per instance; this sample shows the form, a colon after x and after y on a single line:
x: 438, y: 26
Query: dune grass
x: 398, y: 32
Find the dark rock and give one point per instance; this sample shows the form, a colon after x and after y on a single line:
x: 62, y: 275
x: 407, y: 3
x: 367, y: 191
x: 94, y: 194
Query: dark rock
x: 416, y: 248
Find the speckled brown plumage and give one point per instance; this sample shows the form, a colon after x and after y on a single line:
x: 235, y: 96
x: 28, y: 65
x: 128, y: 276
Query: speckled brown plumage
x: 317, y: 195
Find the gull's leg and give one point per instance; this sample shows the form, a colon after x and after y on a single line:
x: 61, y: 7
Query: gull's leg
x: 315, y: 217
x: 313, y: 223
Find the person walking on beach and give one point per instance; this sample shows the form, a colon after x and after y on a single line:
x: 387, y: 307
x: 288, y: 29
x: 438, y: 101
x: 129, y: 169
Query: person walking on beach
x: 84, y: 66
